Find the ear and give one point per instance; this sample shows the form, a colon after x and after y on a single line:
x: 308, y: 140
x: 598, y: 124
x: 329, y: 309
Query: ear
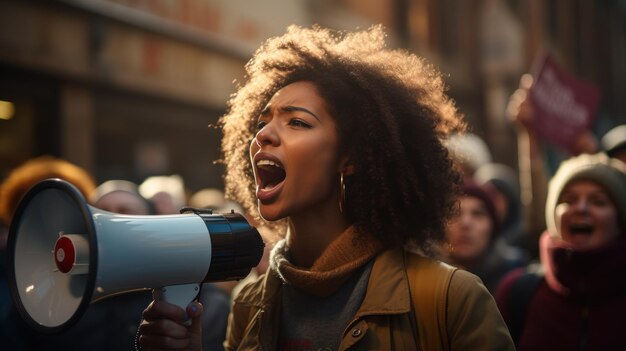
x: 346, y: 167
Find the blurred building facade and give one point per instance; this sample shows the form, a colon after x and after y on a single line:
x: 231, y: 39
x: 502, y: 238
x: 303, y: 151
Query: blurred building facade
x: 127, y: 88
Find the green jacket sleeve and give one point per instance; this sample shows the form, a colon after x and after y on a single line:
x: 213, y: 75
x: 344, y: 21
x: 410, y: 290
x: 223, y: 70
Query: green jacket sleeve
x: 474, y: 321
x: 242, y: 315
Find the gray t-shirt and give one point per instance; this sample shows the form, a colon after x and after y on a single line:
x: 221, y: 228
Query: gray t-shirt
x: 316, y: 323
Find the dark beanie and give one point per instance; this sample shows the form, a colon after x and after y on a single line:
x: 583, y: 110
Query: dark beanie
x: 471, y: 189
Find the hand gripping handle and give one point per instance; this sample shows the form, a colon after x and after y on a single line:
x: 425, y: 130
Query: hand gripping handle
x: 179, y: 295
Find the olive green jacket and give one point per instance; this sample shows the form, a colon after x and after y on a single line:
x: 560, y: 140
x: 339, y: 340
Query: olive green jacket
x: 386, y: 320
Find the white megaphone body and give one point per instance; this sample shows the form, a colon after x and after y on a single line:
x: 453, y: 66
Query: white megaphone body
x: 63, y: 254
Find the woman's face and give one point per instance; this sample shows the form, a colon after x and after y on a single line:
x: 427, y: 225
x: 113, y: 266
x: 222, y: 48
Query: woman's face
x: 586, y: 216
x: 295, y: 154
x: 469, y: 234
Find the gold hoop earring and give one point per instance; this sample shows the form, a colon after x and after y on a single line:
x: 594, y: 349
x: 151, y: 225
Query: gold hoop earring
x: 342, y: 193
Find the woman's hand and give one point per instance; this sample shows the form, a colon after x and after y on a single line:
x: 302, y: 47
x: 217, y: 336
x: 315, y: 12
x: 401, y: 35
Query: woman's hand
x: 163, y: 327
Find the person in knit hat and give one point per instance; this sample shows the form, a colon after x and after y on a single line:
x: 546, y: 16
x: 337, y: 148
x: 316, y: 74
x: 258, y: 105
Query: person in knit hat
x: 577, y: 299
x: 471, y: 237
x: 606, y: 176
x: 470, y: 234
x: 503, y: 183
x: 121, y: 196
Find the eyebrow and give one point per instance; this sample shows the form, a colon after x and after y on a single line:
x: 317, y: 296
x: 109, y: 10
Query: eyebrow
x: 290, y: 108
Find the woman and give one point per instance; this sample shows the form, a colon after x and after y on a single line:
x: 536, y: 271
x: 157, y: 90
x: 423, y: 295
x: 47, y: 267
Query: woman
x: 577, y: 301
x: 338, y: 141
x: 471, y: 238
x: 503, y: 184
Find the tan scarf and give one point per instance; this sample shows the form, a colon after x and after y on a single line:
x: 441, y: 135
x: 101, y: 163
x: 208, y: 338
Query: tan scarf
x: 347, y: 253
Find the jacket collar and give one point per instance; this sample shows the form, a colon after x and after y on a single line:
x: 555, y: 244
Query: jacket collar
x: 388, y: 286
x: 387, y: 293
x: 271, y: 289
x: 346, y: 254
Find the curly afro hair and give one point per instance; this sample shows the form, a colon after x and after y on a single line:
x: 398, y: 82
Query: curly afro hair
x: 392, y: 115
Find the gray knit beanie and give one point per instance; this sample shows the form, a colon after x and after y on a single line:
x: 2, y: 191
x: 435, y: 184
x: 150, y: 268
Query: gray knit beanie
x: 607, y: 172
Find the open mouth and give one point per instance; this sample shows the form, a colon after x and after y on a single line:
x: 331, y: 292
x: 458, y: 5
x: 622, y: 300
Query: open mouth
x: 271, y: 173
x: 581, y: 229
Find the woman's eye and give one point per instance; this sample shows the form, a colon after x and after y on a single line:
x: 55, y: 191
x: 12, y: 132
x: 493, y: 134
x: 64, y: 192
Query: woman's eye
x: 299, y: 123
x: 566, y: 200
x: 260, y: 125
x: 600, y: 201
x: 479, y: 213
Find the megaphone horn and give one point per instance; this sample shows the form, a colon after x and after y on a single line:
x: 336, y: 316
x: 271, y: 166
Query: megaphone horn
x: 63, y: 254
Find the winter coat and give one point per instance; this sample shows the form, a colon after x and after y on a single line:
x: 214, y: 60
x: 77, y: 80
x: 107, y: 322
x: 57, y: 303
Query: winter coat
x: 383, y: 321
x: 579, y: 303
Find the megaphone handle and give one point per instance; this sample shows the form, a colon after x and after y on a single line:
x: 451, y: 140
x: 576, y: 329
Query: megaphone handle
x: 179, y: 295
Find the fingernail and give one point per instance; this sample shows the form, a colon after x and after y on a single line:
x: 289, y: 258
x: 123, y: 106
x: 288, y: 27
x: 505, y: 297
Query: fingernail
x: 194, y: 308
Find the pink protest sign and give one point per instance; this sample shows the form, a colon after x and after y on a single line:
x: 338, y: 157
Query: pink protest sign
x: 564, y: 106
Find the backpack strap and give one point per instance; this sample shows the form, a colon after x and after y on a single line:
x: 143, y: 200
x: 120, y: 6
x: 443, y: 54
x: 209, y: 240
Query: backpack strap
x: 522, y: 291
x: 429, y: 281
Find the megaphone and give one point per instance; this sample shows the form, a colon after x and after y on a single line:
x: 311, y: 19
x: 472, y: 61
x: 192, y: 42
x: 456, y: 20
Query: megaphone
x: 64, y: 254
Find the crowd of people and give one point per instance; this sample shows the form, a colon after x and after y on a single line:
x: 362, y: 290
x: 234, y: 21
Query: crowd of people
x: 363, y: 179
x: 556, y: 289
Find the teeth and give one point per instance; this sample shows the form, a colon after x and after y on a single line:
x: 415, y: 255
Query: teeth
x: 268, y: 163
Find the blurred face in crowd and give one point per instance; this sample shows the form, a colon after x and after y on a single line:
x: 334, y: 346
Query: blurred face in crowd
x: 468, y: 235
x: 295, y: 154
x: 586, y: 217
x: 164, y: 204
x: 123, y: 202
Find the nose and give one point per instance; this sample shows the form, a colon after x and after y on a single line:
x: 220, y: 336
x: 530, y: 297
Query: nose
x: 581, y: 205
x: 465, y: 220
x: 462, y: 220
x: 267, y: 136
